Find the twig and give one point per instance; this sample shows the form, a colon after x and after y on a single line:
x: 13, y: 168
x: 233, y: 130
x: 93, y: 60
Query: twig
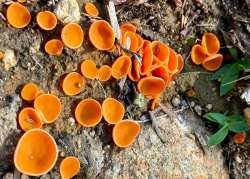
x: 91, y: 17
x: 104, y: 92
x: 196, y: 72
x: 242, y: 78
x: 2, y: 16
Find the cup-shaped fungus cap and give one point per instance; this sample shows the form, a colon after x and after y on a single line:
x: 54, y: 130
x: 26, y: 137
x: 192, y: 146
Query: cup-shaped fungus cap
x: 69, y: 167
x: 72, y: 35
x: 104, y: 73
x: 88, y: 69
x: 121, y: 67
x: 36, y: 153
x: 172, y: 63
x: 49, y: 107
x: 147, y: 59
x: 134, y: 73
x: 198, y: 54
x: 88, y: 112
x: 38, y: 93
x: 101, y: 35
x: 73, y: 83
x: 17, y: 15
x: 91, y: 9
x: 161, y: 72
x: 210, y: 43
x: 130, y: 40
x: 239, y: 138
x: 112, y: 110
x: 29, y: 91
x: 213, y: 62
x: 180, y: 63
x: 140, y: 42
x: 46, y: 20
x: 125, y: 132
x: 128, y: 27
x: 54, y: 47
x: 161, y: 51
x: 29, y: 118
x: 151, y: 86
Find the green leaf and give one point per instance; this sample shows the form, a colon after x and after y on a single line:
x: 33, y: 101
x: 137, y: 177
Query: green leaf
x: 245, y: 62
x: 219, y: 136
x: 191, y: 41
x: 221, y: 72
x: 234, y: 118
x: 234, y: 53
x: 216, y: 117
x: 227, y: 83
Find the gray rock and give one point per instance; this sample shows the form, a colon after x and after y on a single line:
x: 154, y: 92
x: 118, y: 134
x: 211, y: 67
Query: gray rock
x: 68, y: 11
x: 176, y: 101
x: 248, y: 171
x: 209, y: 107
x: 8, y: 176
x: 198, y: 110
x: 9, y: 59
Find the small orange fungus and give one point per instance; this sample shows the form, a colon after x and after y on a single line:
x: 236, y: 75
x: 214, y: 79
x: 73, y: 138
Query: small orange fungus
x: 147, y: 59
x: 91, y: 9
x: 180, y: 63
x: 151, y: 86
x: 130, y: 41
x: 161, y: 72
x: 29, y: 91
x: 161, y: 51
x: 104, y: 73
x: 121, y: 67
x: 125, y: 132
x: 18, y: 15
x: 128, y: 27
x: 210, y: 43
x: 213, y: 62
x: 198, y: 54
x: 113, y: 110
x: 72, y: 35
x: 49, y: 107
x: 54, y: 47
x: 69, y: 167
x: 88, y: 112
x: 101, y: 35
x: 88, y: 69
x: 73, y: 84
x: 29, y: 118
x: 172, y: 61
x: 239, y: 138
x: 134, y: 73
x: 190, y: 92
x: 36, y: 153
x: 46, y: 20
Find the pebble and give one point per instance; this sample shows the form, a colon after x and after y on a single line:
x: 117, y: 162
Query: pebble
x: 9, y: 59
x: 8, y: 176
x: 71, y: 121
x: 209, y: 107
x: 176, y: 101
x: 62, y: 154
x: 248, y: 171
x: 238, y: 159
x: 198, y: 110
x: 247, y: 115
x: 192, y: 104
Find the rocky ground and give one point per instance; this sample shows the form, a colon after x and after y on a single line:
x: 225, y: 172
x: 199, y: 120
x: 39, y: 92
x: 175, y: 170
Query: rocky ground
x: 184, y: 154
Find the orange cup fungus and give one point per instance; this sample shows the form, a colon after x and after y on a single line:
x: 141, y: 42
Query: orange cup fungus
x: 180, y: 63
x: 128, y: 27
x: 73, y: 84
x: 49, y: 107
x: 88, y: 112
x: 29, y: 91
x: 36, y: 153
x: 104, y: 73
x: 198, y: 54
x: 151, y: 86
x: 147, y: 59
x: 113, y: 110
x: 130, y: 41
x: 91, y: 9
x: 46, y: 20
x: 69, y: 167
x: 88, y: 69
x: 160, y: 51
x: 29, y: 118
x: 161, y: 72
x: 72, y: 35
x: 210, y: 43
x: 172, y: 63
x: 121, y: 67
x: 102, y: 35
x: 54, y: 47
x: 134, y: 73
x: 125, y: 132
x: 213, y: 62
x: 18, y: 15
x: 239, y: 138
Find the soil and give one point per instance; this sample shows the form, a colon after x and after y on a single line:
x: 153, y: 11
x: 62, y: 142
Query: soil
x: 156, y: 20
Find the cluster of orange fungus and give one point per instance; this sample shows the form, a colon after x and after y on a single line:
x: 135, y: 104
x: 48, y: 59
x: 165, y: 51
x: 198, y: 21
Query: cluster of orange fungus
x: 88, y: 112
x: 113, y: 110
x: 69, y: 167
x: 18, y: 15
x: 125, y: 132
x: 91, y: 9
x: 46, y: 20
x: 36, y: 153
x: 206, y: 54
x: 72, y: 35
x: 49, y: 107
x: 54, y: 47
x: 102, y: 35
x: 73, y: 83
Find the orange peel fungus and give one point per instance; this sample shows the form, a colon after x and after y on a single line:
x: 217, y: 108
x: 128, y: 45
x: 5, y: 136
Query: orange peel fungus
x: 29, y: 91
x: 46, y: 20
x: 213, y: 62
x: 210, y: 43
x: 88, y: 69
x: 36, y: 153
x: 73, y: 83
x: 121, y: 67
x: 54, y: 47
x: 91, y: 9
x: 69, y: 167
x: 104, y: 73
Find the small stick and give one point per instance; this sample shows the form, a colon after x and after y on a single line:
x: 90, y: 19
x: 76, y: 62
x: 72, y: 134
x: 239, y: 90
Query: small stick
x: 242, y: 78
x: 104, y: 92
x: 91, y: 17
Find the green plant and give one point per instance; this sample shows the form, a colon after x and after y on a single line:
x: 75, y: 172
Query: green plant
x: 228, y: 74
x: 233, y: 123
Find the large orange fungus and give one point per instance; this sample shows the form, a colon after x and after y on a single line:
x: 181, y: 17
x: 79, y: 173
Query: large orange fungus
x: 73, y: 83
x: 54, y: 47
x: 121, y: 67
x: 104, y: 73
x: 46, y: 20
x: 213, y: 62
x: 198, y: 54
x: 88, y: 69
x: 161, y: 51
x: 210, y: 43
